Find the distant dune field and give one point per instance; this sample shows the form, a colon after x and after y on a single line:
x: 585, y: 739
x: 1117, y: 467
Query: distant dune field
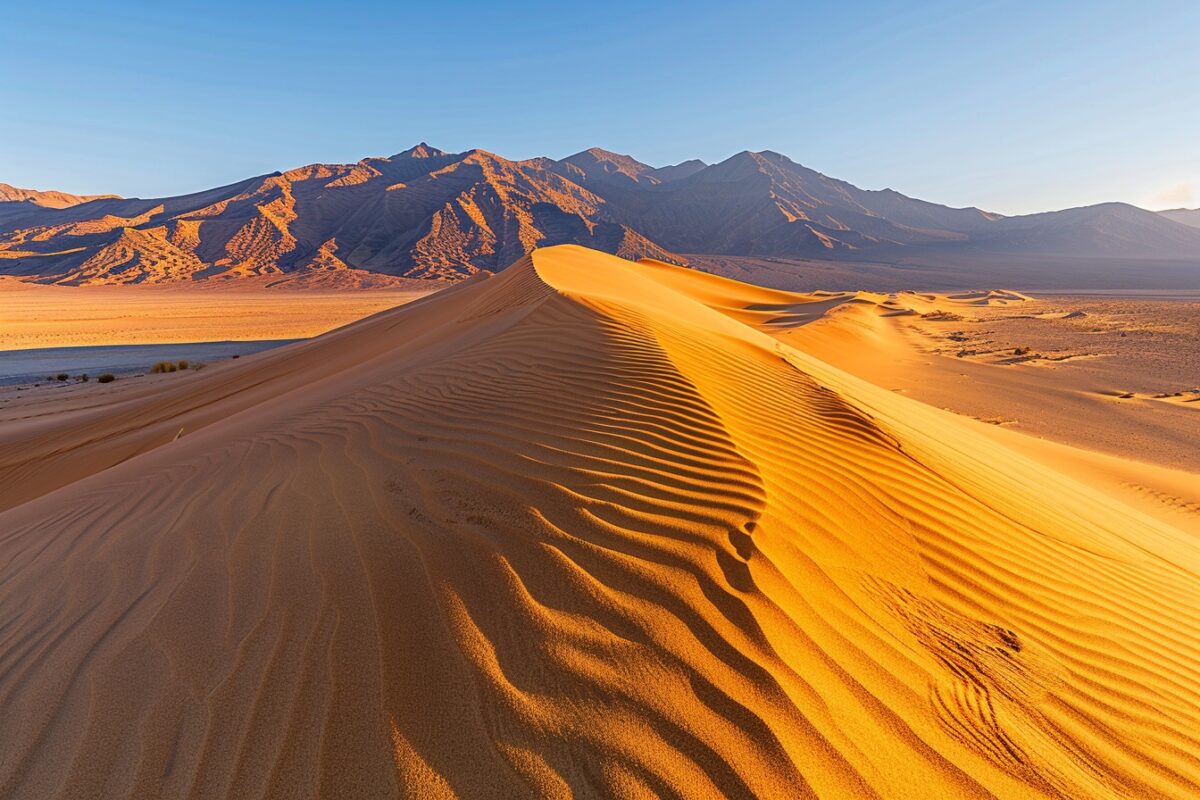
x: 1106, y: 388
x: 583, y: 528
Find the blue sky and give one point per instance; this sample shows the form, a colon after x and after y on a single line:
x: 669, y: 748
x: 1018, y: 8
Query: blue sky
x: 1014, y: 107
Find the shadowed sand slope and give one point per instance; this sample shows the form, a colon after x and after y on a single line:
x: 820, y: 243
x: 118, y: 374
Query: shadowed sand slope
x: 583, y: 528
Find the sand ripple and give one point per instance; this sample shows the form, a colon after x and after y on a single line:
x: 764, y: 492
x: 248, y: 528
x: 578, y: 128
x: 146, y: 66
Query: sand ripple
x: 577, y: 529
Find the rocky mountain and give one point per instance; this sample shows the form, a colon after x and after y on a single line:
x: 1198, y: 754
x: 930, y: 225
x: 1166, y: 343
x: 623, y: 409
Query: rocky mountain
x: 426, y: 213
x: 1107, y: 229
x: 599, y: 170
x: 419, y: 213
x: 765, y: 204
x: 45, y: 199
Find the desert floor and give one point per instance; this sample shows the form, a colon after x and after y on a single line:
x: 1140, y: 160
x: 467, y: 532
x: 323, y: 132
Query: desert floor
x: 595, y: 528
x: 36, y: 316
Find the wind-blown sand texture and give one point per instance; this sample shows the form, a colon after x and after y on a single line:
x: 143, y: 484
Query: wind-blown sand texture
x: 582, y: 528
x: 1115, y: 378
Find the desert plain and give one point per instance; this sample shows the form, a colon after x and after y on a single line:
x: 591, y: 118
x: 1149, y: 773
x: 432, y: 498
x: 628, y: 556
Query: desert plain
x: 35, y: 315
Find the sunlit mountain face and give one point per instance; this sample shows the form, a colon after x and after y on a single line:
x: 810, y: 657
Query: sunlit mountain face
x: 426, y: 213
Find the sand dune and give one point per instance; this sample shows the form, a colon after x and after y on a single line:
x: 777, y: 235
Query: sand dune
x: 586, y: 528
x: 1114, y: 379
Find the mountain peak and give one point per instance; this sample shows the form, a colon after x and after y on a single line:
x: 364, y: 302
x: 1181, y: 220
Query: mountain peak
x: 683, y: 169
x: 601, y: 153
x: 428, y: 213
x: 627, y: 164
x: 421, y: 150
x: 596, y: 165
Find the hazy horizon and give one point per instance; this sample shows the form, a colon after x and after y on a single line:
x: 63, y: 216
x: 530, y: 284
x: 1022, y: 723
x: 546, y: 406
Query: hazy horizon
x: 1009, y: 107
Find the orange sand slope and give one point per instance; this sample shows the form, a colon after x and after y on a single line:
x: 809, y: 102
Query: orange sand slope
x: 578, y: 528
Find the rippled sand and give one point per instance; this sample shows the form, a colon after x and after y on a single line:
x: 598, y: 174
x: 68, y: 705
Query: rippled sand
x: 585, y: 528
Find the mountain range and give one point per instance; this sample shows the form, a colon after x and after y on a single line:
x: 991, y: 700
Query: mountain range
x: 427, y: 213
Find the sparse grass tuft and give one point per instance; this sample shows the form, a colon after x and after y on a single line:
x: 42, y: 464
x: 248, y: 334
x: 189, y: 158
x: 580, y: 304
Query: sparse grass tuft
x: 163, y: 366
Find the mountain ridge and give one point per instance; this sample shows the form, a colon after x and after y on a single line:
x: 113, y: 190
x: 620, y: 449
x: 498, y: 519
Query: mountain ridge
x: 428, y: 213
x: 49, y: 198
x: 1186, y: 216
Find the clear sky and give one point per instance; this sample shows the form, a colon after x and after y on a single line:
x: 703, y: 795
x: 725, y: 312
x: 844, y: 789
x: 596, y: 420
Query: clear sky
x: 1011, y: 106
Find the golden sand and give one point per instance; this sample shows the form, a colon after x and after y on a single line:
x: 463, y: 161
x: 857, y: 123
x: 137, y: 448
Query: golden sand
x: 1060, y: 398
x: 583, y: 528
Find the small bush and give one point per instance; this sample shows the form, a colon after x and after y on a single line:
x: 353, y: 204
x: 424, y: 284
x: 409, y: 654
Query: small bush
x: 107, y: 377
x: 183, y: 364
x: 62, y: 376
x: 163, y: 366
x: 82, y: 379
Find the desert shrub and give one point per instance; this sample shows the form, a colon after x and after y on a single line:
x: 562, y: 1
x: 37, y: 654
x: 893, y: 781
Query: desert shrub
x: 82, y: 378
x: 107, y: 377
x: 163, y: 366
x: 941, y: 316
x: 183, y: 364
x: 62, y: 376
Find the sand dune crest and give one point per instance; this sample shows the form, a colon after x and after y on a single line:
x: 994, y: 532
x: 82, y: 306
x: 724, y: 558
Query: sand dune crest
x: 582, y: 528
